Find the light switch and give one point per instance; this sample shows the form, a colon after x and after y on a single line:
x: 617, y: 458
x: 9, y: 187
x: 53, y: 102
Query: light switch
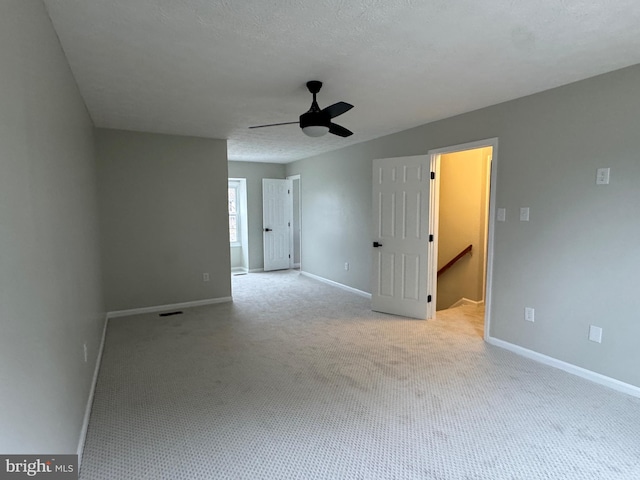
x: 529, y: 314
x: 524, y: 214
x: 502, y: 214
x: 595, y: 334
x: 602, y: 176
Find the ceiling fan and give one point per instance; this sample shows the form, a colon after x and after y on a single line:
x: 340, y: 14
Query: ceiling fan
x: 317, y: 122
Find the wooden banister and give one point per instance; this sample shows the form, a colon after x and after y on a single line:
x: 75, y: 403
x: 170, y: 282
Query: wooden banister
x: 455, y: 259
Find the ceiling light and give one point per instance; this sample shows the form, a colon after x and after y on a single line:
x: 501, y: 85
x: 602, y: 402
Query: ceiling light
x: 315, y: 130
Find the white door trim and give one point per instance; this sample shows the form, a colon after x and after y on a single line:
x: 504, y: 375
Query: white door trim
x: 299, y: 226
x: 434, y: 205
x: 432, y: 255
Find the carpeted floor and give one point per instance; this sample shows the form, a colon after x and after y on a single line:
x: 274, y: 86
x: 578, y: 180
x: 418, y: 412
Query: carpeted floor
x: 300, y: 380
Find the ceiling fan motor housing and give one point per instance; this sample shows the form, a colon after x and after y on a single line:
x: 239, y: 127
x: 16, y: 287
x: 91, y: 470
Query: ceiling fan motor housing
x: 315, y: 119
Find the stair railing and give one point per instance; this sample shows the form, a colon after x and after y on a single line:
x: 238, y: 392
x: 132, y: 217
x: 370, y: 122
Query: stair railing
x: 454, y: 260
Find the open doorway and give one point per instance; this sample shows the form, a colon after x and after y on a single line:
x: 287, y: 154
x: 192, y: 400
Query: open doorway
x: 460, y: 213
x: 296, y: 227
x: 238, y: 226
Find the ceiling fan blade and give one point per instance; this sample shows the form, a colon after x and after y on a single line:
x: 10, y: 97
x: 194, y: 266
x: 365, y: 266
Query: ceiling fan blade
x: 339, y: 130
x: 274, y: 124
x: 337, y: 109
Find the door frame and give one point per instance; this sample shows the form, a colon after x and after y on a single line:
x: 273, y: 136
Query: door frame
x: 434, y: 209
x: 299, y: 226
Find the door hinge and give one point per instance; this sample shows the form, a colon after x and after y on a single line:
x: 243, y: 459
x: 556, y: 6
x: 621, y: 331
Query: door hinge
x: 431, y: 237
x: 433, y: 175
x: 288, y: 224
x: 289, y: 255
x: 288, y: 192
x: 428, y: 298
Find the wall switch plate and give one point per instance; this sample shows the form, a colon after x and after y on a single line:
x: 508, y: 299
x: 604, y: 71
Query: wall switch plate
x: 595, y: 334
x: 602, y: 176
x: 205, y: 277
x: 529, y: 314
x: 524, y: 214
x: 346, y: 265
x: 502, y: 215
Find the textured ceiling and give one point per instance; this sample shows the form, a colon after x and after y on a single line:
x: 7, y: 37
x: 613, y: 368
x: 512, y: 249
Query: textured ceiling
x: 212, y: 68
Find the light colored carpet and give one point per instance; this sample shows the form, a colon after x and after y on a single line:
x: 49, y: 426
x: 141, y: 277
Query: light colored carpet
x: 300, y: 380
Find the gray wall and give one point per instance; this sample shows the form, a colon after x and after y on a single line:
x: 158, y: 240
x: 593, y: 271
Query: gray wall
x: 50, y: 292
x: 576, y: 262
x: 254, y: 172
x: 336, y: 214
x: 236, y: 257
x: 164, y: 218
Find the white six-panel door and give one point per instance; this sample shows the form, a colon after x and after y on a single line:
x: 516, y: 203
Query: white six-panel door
x: 276, y: 222
x: 401, y: 231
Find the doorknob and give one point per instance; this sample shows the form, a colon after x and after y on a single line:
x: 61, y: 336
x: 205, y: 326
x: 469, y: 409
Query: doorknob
x: 268, y: 230
x: 376, y: 244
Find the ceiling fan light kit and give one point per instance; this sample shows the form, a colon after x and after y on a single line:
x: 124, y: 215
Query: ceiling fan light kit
x: 317, y: 122
x: 315, y: 130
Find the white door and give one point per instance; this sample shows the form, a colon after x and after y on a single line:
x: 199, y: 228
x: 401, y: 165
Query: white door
x: 276, y: 222
x: 401, y: 237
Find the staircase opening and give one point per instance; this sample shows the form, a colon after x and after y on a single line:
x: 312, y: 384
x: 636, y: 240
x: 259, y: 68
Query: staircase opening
x: 462, y: 199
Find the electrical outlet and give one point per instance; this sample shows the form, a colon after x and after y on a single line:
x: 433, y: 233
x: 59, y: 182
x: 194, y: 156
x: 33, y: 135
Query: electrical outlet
x: 524, y: 214
x: 84, y: 347
x: 205, y: 277
x: 346, y: 266
x: 502, y: 214
x: 529, y: 314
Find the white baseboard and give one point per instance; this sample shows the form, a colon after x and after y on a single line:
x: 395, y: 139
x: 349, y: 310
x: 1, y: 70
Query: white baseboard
x: 239, y: 270
x: 568, y: 367
x: 172, y: 306
x: 336, y: 284
x: 92, y: 391
x: 466, y: 301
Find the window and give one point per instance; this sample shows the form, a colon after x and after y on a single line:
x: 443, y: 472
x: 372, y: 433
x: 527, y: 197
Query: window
x: 234, y: 213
